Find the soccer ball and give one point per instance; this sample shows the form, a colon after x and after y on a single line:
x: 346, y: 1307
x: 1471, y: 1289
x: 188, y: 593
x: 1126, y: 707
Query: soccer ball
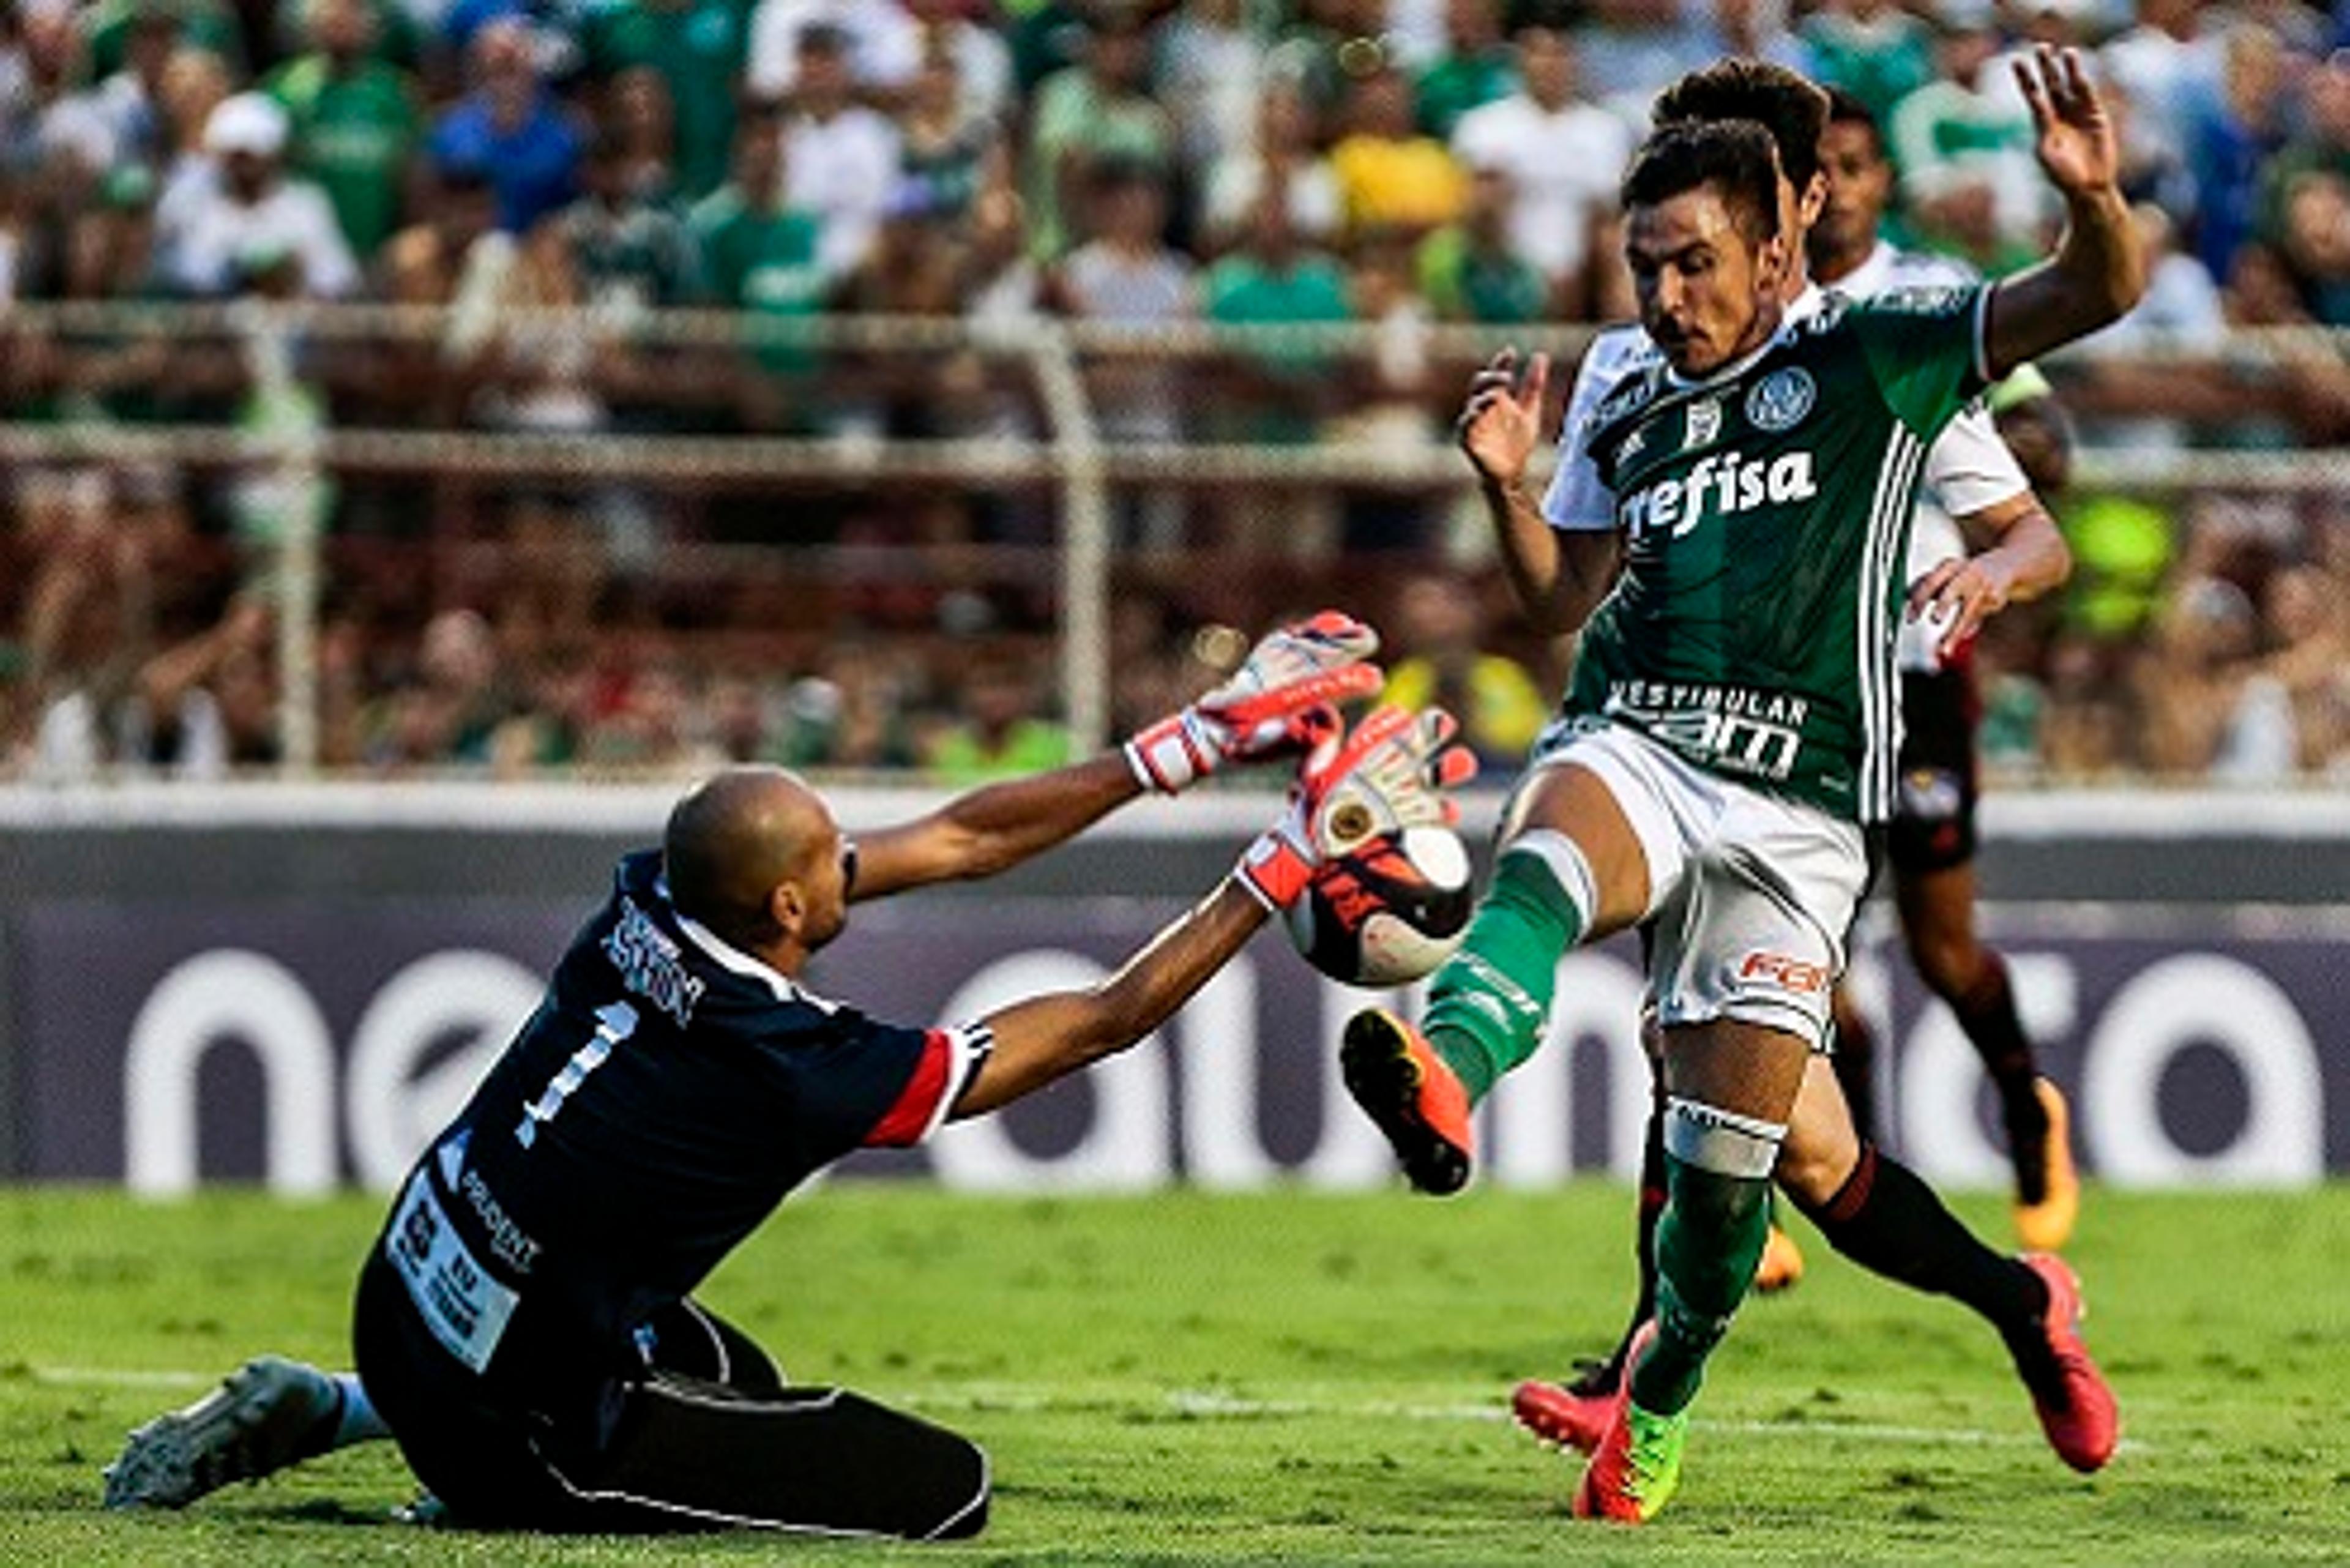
x: 1387, y: 911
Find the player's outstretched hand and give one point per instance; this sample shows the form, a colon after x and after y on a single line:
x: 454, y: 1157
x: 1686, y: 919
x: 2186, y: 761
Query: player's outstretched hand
x: 2078, y: 147
x: 1956, y: 596
x: 1391, y: 773
x: 1500, y: 421
x: 1274, y: 705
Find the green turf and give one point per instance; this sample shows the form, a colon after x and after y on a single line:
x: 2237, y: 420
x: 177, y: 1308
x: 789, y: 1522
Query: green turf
x: 1284, y: 1377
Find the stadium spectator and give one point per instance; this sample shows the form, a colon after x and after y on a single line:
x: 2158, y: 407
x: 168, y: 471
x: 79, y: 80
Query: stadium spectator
x: 1392, y: 178
x: 1475, y: 67
x: 510, y: 124
x: 1127, y: 274
x: 1000, y: 728
x: 880, y: 45
x: 626, y: 249
x: 2166, y: 66
x: 449, y: 710
x: 2231, y: 141
x: 131, y: 97
x: 947, y: 150
x: 1962, y: 145
x: 696, y: 50
x: 840, y: 156
x: 354, y: 121
x: 1631, y: 48
x: 1562, y: 156
x: 1283, y: 150
x: 1443, y: 632
x: 595, y: 1395
x: 245, y: 206
x: 2136, y: 389
x: 1097, y: 111
x: 207, y: 707
x: 1876, y: 50
x: 1211, y: 74
x: 2315, y: 241
x: 1470, y: 270
x: 1278, y: 393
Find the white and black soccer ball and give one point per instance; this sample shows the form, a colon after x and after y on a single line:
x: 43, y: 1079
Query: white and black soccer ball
x: 1389, y: 910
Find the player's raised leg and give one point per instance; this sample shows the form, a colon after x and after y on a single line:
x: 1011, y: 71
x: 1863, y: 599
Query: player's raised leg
x: 1570, y: 868
x: 267, y: 1415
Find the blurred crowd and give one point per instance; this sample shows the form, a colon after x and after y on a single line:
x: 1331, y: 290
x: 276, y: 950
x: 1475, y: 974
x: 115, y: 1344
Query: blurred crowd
x: 1405, y: 163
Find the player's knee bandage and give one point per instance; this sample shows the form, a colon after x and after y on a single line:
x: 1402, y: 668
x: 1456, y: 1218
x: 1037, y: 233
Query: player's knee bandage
x: 1723, y: 1142
x: 1488, y: 1006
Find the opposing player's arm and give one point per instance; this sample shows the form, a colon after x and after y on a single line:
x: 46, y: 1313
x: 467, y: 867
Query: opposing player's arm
x: 2028, y: 556
x: 1559, y: 576
x: 2098, y: 271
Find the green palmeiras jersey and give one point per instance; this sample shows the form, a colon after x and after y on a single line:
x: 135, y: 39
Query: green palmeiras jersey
x: 1764, y: 512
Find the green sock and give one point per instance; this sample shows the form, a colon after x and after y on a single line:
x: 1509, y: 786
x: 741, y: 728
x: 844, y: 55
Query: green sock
x: 1707, y: 1241
x: 1487, y: 1007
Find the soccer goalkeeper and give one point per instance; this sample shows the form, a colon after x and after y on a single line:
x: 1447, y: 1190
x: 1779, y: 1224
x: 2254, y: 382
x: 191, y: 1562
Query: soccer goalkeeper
x: 525, y: 1327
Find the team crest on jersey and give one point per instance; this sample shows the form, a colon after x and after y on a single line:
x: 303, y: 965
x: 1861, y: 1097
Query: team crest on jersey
x: 1780, y: 400
x: 1704, y: 423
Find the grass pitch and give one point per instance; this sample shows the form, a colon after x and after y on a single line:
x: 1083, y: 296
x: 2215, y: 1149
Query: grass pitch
x: 1197, y: 1379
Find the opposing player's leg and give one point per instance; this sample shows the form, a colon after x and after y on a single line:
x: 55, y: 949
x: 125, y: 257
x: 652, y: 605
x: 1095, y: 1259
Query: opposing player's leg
x: 268, y: 1415
x: 1931, y: 845
x: 1881, y: 1215
x: 1855, y: 1059
x: 1937, y: 917
x: 1571, y: 867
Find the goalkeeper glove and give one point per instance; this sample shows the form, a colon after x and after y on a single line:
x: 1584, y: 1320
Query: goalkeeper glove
x: 1390, y: 774
x: 1266, y: 709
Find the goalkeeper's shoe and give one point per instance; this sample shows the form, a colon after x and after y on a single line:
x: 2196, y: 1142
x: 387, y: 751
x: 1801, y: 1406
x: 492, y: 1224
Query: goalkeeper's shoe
x: 1636, y: 1467
x: 1416, y: 1099
x: 1781, y: 1264
x: 2076, y: 1406
x: 2044, y: 1223
x: 268, y: 1414
x: 1574, y: 1414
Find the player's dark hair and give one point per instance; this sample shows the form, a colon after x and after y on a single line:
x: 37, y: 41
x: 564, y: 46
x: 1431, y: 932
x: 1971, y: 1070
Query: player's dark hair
x: 1735, y: 157
x: 1793, y: 110
x: 1845, y: 109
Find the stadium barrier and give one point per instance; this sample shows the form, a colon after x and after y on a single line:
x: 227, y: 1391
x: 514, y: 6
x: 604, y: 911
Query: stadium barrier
x: 296, y: 985
x: 401, y: 373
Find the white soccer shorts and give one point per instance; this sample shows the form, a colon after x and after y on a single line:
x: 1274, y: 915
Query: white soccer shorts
x: 1750, y: 895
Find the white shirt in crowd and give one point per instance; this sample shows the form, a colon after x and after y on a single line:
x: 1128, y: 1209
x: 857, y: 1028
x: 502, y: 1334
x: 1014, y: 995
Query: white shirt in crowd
x: 200, y: 229
x: 1564, y: 165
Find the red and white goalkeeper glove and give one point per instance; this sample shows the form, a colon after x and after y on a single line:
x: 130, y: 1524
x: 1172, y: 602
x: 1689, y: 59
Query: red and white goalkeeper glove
x: 1266, y: 709
x: 1390, y: 773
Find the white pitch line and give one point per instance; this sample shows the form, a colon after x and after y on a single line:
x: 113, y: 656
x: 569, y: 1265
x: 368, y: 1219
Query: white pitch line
x: 1211, y: 1404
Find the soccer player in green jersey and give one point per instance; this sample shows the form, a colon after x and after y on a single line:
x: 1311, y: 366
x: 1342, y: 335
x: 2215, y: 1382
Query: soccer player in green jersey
x: 1731, y: 719
x: 1872, y: 1208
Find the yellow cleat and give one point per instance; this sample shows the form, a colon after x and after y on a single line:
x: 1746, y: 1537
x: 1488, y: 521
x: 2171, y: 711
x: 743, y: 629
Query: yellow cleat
x: 2047, y: 1225
x: 1781, y: 1264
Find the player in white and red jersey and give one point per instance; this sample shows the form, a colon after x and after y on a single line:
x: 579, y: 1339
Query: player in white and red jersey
x: 1931, y: 842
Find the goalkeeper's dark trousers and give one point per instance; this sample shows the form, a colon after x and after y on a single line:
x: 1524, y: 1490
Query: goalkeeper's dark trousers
x: 706, y: 1436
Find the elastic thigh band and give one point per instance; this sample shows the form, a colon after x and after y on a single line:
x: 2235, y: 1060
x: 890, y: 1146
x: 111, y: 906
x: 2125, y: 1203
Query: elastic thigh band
x: 1723, y: 1142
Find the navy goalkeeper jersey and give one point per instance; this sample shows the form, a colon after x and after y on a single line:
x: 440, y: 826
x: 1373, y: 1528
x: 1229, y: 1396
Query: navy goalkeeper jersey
x: 666, y: 1094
